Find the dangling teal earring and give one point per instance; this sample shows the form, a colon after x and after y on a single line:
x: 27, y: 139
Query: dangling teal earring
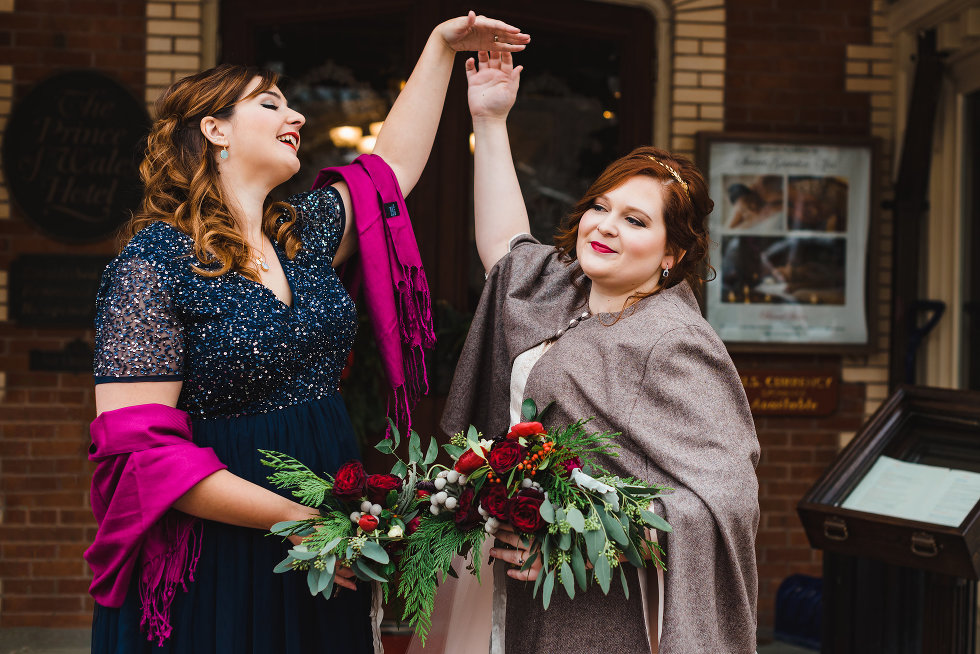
x: 224, y: 153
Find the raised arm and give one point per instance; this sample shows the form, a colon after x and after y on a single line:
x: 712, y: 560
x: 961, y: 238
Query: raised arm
x: 406, y: 138
x: 498, y: 203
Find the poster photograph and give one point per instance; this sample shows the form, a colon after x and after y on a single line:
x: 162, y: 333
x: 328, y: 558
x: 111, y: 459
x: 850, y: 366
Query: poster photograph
x: 791, y: 229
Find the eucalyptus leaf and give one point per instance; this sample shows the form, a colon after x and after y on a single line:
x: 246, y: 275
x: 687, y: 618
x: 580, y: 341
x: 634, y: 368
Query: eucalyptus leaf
x: 578, y: 567
x: 546, y: 545
x: 537, y: 583
x: 655, y: 521
x: 603, y: 573
x: 568, y: 580
x: 547, y: 511
x: 330, y: 565
x: 323, y: 581
x: 395, y: 436
x: 303, y: 555
x: 613, y: 527
x: 359, y: 570
x: 633, y: 555
x: 328, y: 588
x: 366, y: 569
x: 549, y: 587
x: 431, y: 453
x: 472, y: 435
x: 285, y: 528
x: 565, y: 541
x: 399, y: 469
x: 385, y: 446
x: 622, y: 577
x: 453, y: 450
x: 329, y: 546
x: 349, y: 553
x: 476, y: 448
x: 529, y: 410
x: 414, y: 448
x: 313, y: 580
x: 595, y: 541
x: 559, y: 515
x: 576, y: 519
x: 374, y: 551
x: 285, y: 565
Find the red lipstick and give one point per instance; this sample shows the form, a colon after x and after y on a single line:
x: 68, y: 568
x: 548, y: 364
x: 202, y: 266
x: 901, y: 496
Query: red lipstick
x: 599, y: 247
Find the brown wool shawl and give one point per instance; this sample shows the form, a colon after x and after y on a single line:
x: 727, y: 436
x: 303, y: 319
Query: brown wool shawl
x: 662, y: 378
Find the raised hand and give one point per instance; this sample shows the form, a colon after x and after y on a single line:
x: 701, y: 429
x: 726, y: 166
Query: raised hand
x: 492, y: 89
x: 472, y: 32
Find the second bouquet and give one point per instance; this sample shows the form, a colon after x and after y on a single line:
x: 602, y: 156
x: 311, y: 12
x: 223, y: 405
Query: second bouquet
x: 581, y: 521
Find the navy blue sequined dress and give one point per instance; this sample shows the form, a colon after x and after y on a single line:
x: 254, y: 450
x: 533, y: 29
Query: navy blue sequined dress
x: 257, y: 374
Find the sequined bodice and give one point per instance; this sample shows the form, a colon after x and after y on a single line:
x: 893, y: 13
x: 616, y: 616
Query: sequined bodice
x: 237, y: 348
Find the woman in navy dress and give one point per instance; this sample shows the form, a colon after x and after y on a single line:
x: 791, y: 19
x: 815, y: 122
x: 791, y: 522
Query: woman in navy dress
x: 226, y: 306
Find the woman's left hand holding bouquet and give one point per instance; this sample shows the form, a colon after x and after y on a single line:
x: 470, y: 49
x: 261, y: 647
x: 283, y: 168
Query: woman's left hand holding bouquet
x: 517, y: 556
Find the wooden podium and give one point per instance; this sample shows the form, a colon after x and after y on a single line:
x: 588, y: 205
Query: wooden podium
x: 898, y: 580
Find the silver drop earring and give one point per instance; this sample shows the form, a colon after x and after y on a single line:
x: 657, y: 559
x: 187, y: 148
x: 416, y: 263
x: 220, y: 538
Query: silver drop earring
x: 666, y: 272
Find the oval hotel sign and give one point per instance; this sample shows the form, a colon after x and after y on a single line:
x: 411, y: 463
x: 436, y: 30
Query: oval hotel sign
x: 71, y: 153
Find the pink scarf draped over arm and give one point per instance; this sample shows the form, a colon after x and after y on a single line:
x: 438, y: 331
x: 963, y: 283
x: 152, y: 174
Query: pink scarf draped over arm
x: 145, y: 461
x: 389, y: 268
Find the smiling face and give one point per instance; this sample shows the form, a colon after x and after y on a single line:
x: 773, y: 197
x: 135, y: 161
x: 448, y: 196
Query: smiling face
x: 622, y: 239
x: 262, y: 137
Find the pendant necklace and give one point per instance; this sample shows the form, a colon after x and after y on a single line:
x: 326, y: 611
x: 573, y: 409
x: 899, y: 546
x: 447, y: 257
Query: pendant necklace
x: 259, y: 259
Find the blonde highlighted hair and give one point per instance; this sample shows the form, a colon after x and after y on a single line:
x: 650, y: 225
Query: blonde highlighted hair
x: 180, y: 173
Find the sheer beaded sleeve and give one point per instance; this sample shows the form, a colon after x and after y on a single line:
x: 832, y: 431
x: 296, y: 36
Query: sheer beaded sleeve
x: 321, y: 214
x: 138, y: 336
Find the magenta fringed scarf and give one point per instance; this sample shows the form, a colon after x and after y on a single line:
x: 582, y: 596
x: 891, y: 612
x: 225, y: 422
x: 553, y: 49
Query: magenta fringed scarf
x: 389, y: 268
x: 145, y: 461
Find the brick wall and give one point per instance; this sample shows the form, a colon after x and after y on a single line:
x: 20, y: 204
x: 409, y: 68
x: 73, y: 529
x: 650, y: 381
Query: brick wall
x: 45, y: 520
x: 807, y: 68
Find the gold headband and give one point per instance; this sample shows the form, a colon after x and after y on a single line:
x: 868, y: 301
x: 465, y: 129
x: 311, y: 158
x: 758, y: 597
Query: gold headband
x: 672, y: 172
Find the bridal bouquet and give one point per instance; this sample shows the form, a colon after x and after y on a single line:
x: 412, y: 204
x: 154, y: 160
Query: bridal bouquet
x: 414, y: 521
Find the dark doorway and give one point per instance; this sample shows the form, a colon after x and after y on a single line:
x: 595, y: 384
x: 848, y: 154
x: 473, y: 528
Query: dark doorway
x: 970, y: 347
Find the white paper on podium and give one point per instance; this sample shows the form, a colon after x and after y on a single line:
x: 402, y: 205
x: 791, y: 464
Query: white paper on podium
x: 942, y: 496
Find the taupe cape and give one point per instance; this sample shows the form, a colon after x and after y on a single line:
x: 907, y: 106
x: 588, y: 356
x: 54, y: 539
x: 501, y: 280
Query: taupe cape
x: 663, y: 378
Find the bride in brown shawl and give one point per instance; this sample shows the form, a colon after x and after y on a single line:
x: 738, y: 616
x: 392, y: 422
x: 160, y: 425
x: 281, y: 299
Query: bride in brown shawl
x: 605, y: 324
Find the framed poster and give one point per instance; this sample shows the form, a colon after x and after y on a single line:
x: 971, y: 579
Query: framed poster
x: 792, y: 222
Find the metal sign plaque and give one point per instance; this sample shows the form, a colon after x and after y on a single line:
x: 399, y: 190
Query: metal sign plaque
x: 786, y: 393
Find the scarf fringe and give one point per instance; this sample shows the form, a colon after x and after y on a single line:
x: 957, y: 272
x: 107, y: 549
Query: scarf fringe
x: 161, y: 574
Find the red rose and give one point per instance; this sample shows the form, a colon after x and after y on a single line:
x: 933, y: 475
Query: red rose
x: 413, y: 525
x: 466, y: 513
x: 378, y: 487
x: 368, y: 522
x: 469, y: 461
x: 422, y: 494
x: 531, y: 492
x: 525, y: 429
x: 571, y: 464
x: 504, y: 455
x: 496, y: 503
x: 350, y: 481
x: 525, y: 514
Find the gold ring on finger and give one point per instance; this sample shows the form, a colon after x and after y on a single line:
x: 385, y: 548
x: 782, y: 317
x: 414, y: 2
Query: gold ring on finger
x: 496, y: 38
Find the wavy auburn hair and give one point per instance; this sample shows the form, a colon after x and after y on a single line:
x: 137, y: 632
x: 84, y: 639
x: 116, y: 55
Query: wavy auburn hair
x: 180, y: 173
x: 685, y: 216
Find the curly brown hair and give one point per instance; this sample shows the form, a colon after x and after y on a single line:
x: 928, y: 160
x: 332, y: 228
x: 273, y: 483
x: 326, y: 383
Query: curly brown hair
x: 685, y: 213
x: 180, y: 173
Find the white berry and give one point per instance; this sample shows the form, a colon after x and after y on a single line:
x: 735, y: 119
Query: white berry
x: 451, y: 503
x: 355, y: 516
x: 441, y: 497
x: 442, y: 474
x: 452, y: 477
x: 526, y: 483
x: 462, y: 479
x: 365, y: 506
x: 434, y: 509
x: 375, y: 509
x: 440, y: 483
